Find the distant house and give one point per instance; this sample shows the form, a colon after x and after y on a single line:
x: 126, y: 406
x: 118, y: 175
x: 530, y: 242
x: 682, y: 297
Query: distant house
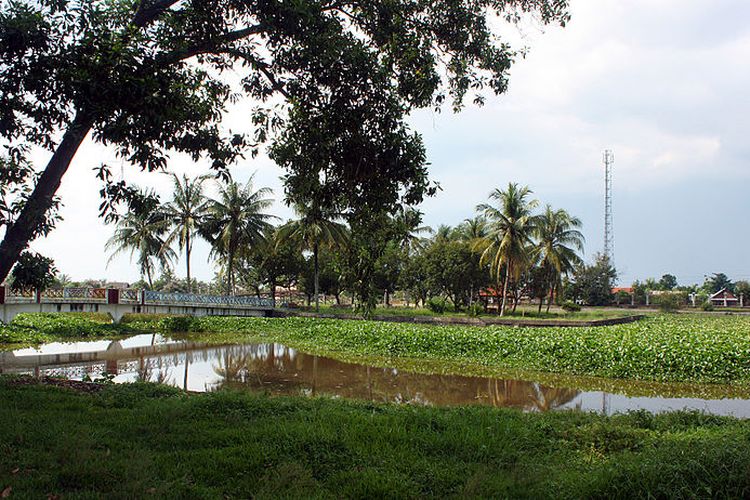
x: 724, y: 298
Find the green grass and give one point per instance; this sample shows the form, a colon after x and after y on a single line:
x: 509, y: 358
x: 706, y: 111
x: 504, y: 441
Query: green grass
x: 667, y: 348
x: 151, y: 441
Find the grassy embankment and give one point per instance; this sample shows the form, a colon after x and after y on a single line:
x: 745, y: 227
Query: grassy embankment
x: 143, y: 440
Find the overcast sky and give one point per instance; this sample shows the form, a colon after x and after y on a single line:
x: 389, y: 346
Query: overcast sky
x: 663, y: 83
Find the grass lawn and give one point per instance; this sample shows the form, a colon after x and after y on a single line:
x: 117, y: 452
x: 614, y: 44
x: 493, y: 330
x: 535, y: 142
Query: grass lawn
x: 137, y: 441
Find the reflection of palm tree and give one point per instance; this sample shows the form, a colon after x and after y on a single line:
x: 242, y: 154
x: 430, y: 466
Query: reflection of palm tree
x: 232, y: 368
x: 548, y: 398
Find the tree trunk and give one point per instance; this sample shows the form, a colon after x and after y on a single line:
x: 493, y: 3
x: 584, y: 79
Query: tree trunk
x: 187, y: 260
x: 317, y: 294
x: 541, y: 301
x: 19, y: 233
x: 230, y: 261
x: 148, y: 275
x: 551, y: 296
x: 505, y: 289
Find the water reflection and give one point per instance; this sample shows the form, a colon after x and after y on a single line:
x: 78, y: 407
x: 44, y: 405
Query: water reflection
x: 277, y: 369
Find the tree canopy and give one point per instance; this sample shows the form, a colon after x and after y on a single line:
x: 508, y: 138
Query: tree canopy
x: 148, y: 77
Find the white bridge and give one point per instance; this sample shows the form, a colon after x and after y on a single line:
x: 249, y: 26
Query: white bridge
x: 120, y: 301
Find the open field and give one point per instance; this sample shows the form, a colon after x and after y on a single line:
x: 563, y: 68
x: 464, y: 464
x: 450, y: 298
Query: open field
x: 138, y: 440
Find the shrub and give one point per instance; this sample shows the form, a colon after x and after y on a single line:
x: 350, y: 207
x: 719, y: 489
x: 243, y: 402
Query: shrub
x: 475, y: 309
x: 668, y: 302
x: 707, y: 306
x: 437, y: 305
x: 570, y: 306
x: 144, y: 317
x: 177, y: 324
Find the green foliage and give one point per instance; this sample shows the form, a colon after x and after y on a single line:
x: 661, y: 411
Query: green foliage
x: 669, y: 302
x: 593, y: 283
x: 141, y: 440
x: 707, y: 306
x: 48, y: 327
x: 438, y: 305
x: 475, y: 310
x: 33, y: 272
x: 668, y: 282
x: 178, y: 324
x: 716, y: 282
x: 696, y: 348
x: 143, y: 317
x: 570, y: 306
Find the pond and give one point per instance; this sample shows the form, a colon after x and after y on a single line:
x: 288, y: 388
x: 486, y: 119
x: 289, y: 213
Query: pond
x: 278, y: 369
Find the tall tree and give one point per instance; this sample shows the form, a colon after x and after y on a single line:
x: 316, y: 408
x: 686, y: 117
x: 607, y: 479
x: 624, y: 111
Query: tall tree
x: 314, y: 230
x: 142, y: 231
x: 558, y: 241
x: 236, y: 221
x: 146, y: 76
x: 184, y: 214
x: 510, y: 227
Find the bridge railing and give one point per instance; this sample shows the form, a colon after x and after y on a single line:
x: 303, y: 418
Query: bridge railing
x: 130, y: 296
x: 194, y: 299
x: 18, y: 296
x: 67, y: 295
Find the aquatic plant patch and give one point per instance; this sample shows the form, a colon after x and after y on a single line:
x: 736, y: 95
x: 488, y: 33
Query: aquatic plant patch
x: 34, y: 328
x: 695, y: 348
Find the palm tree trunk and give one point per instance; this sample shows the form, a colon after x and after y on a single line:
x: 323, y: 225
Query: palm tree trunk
x: 230, y: 265
x: 505, y: 289
x: 148, y: 275
x: 22, y: 230
x: 315, y: 259
x: 187, y: 262
x: 552, y: 286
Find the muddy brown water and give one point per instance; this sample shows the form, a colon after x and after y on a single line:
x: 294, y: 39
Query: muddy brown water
x: 277, y: 369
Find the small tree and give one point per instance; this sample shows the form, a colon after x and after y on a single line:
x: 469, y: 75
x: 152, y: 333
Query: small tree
x: 668, y: 282
x: 33, y: 272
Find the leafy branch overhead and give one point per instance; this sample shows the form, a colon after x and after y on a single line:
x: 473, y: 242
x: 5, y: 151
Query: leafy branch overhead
x: 150, y: 77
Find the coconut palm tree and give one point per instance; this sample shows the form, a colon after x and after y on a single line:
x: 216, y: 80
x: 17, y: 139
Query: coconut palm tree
x: 141, y: 231
x: 312, y: 231
x: 236, y: 221
x: 558, y: 243
x: 507, y: 245
x: 184, y: 214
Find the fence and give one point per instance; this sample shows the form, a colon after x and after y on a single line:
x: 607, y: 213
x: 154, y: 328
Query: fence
x: 130, y: 296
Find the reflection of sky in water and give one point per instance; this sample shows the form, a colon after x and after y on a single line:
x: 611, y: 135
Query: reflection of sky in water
x: 276, y: 369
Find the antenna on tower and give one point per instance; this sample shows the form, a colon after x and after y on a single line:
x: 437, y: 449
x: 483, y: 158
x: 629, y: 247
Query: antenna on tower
x: 609, y: 237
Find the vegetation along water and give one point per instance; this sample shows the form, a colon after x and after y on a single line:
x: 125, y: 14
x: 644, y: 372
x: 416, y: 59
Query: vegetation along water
x: 689, y: 348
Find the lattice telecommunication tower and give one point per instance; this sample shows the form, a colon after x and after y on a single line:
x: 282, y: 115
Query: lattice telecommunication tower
x: 609, y: 236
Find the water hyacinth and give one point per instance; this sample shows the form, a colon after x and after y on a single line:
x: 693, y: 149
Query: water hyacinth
x: 693, y: 348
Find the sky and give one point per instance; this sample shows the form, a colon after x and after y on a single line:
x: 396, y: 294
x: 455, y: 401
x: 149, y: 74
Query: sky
x: 662, y: 83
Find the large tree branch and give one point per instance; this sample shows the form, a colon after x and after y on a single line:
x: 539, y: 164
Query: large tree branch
x: 21, y: 231
x: 208, y: 46
x: 149, y: 10
x: 261, y: 66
